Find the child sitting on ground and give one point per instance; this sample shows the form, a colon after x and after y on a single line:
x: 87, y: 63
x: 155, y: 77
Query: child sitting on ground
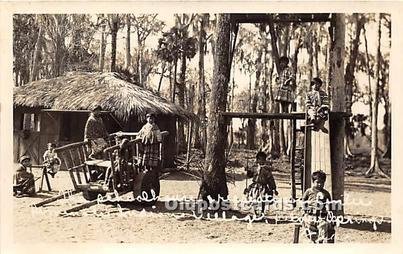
x: 263, y: 185
x: 50, y: 160
x: 317, y: 106
x: 24, y: 180
x: 317, y: 205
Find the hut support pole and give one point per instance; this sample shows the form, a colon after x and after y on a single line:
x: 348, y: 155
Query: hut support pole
x: 337, y: 89
x: 190, y: 127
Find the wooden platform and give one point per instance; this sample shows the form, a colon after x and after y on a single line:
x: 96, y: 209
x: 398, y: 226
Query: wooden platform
x: 292, y: 115
x: 317, y: 156
x: 320, y: 159
x: 99, y: 163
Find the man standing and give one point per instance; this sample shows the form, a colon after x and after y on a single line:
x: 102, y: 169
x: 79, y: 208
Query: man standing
x: 95, y: 132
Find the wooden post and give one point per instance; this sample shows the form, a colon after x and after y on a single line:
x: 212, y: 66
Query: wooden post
x: 45, y: 175
x: 292, y: 155
x: 306, y: 179
x: 64, y: 194
x: 337, y: 99
x: 170, y: 148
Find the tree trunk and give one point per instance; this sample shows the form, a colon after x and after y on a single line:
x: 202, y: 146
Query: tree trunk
x: 316, y: 49
x: 35, y: 61
x: 170, y: 82
x: 297, y: 47
x: 251, y: 130
x: 59, y: 55
x: 265, y: 80
x: 231, y: 137
x: 279, y: 124
x: 285, y: 138
x: 252, y: 122
x: 374, y: 167
x: 327, y: 61
x: 75, y: 56
x: 388, y: 130
x: 337, y: 86
x: 200, y: 136
x: 283, y: 146
x: 114, y: 31
x: 274, y: 124
x: 174, y: 81
x: 128, y: 56
x: 102, y: 49
x: 273, y: 41
x: 163, y: 70
x: 349, y: 75
x: 249, y: 122
x: 350, y: 67
x: 286, y: 41
x: 140, y: 60
x: 368, y: 72
x: 214, y: 183
x: 310, y: 54
x: 275, y: 135
x: 16, y: 77
x: 181, y: 100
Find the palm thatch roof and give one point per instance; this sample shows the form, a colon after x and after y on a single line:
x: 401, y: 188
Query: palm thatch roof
x: 85, y: 91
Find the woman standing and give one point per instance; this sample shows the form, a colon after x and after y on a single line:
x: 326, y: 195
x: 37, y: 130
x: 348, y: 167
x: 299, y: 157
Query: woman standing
x: 151, y: 139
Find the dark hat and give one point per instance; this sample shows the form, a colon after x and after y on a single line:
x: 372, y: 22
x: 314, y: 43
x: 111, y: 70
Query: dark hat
x: 150, y: 115
x: 97, y: 108
x: 316, y: 81
x: 25, y: 157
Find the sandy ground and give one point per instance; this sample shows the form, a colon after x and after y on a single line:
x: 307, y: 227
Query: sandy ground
x: 129, y: 223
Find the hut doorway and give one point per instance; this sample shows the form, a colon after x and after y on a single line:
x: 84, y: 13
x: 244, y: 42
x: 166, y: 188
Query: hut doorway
x: 28, y: 136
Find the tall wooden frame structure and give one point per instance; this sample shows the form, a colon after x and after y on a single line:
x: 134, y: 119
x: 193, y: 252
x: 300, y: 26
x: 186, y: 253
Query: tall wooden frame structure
x: 335, y: 81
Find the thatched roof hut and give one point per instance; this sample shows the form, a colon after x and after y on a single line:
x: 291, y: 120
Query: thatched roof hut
x: 56, y: 110
x: 85, y: 91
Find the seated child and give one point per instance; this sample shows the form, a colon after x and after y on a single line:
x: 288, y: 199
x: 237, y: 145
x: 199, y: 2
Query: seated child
x: 317, y: 106
x: 316, y: 204
x: 50, y: 160
x: 24, y: 180
x: 263, y: 185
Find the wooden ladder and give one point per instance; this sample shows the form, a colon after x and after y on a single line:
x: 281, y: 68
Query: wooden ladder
x: 298, y: 153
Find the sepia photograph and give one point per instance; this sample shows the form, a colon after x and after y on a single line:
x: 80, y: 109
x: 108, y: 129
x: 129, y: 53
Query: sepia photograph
x: 201, y: 128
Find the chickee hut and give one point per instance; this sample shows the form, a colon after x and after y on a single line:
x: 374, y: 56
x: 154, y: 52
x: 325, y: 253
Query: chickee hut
x: 56, y: 110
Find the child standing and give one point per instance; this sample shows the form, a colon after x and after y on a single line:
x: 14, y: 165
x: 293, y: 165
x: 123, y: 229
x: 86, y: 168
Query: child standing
x: 24, y: 180
x: 317, y: 205
x: 263, y: 186
x: 317, y: 106
x: 286, y: 85
x: 50, y: 160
